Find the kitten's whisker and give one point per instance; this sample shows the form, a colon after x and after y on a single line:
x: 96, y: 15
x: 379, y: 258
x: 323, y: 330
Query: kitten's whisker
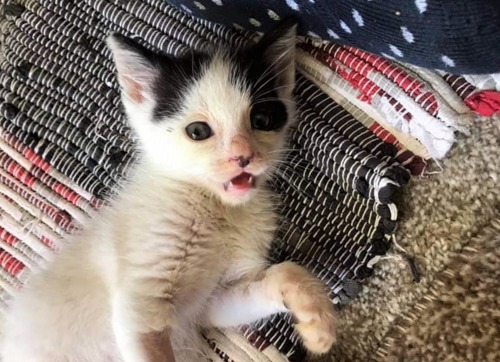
x: 271, y: 79
x: 288, y: 170
x: 285, y: 166
x: 277, y: 172
x: 288, y: 162
x: 263, y: 100
x: 282, y: 150
x: 258, y: 100
x: 268, y: 70
x: 275, y: 75
x: 263, y: 92
x: 192, y: 62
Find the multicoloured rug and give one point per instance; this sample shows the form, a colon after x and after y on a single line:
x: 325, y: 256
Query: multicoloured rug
x: 64, y: 146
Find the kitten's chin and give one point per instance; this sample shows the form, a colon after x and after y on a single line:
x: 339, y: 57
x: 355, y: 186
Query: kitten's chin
x: 235, y: 200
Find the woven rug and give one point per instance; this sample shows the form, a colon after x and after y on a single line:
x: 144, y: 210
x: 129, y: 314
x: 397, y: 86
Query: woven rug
x: 64, y: 146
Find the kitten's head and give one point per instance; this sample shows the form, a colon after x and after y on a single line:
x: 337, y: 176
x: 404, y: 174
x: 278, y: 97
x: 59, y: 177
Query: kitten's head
x: 216, y: 119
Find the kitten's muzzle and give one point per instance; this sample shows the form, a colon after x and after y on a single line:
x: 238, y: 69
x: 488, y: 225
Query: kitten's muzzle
x: 242, y: 161
x: 241, y: 151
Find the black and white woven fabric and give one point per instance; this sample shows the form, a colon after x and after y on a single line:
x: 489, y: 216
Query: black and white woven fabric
x: 64, y: 146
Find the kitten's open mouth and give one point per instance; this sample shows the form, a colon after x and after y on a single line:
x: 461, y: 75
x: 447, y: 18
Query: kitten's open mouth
x: 241, y: 183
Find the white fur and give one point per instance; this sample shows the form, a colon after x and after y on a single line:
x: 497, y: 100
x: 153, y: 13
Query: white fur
x: 66, y: 310
x: 174, y: 251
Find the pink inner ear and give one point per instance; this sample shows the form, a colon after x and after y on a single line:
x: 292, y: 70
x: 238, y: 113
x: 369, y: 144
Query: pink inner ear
x: 133, y: 89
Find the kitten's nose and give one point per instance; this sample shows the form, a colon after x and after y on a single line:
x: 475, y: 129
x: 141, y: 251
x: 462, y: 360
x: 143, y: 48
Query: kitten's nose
x: 241, y: 151
x: 243, y: 161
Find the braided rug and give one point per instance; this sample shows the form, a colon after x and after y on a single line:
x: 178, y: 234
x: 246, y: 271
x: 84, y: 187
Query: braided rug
x: 64, y: 146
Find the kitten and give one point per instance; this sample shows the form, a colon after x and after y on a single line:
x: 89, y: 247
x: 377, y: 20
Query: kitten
x: 184, y: 245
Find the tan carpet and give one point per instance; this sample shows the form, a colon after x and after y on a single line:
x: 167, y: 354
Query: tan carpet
x: 462, y: 323
x: 448, y: 222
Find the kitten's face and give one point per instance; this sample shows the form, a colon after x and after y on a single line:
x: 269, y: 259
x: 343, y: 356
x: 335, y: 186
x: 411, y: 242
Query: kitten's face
x: 218, y: 121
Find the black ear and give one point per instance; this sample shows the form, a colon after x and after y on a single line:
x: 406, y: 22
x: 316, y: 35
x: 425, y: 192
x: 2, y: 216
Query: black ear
x: 136, y: 69
x: 278, y: 49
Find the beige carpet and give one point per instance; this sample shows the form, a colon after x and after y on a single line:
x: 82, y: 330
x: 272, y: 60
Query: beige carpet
x: 462, y: 323
x: 451, y: 225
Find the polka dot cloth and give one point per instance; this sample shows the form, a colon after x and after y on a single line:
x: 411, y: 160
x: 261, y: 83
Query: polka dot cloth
x: 458, y: 36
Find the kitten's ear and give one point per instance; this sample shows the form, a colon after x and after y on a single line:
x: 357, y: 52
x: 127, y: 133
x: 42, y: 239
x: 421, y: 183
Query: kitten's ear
x: 278, y: 47
x: 136, y: 70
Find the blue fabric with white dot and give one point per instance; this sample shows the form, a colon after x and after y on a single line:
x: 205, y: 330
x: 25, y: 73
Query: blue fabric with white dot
x: 457, y: 36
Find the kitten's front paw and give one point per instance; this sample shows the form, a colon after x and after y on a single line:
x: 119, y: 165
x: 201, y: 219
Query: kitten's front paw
x: 306, y: 298
x: 317, y: 327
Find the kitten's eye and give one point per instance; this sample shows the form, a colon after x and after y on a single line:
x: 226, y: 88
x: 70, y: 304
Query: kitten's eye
x: 261, y: 121
x: 199, y: 131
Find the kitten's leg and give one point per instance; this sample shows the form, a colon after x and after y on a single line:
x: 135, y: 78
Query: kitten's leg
x: 282, y: 287
x: 140, y: 326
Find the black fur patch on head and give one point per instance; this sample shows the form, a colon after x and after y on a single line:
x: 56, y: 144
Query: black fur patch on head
x: 263, y: 84
x: 176, y: 75
x: 259, y: 68
x: 263, y: 74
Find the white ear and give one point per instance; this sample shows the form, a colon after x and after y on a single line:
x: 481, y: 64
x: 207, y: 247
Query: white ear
x: 136, y: 70
x: 278, y: 48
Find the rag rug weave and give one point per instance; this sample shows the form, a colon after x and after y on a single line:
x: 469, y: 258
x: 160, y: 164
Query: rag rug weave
x: 64, y: 147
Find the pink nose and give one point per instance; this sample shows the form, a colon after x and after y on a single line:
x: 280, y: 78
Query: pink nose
x: 241, y: 151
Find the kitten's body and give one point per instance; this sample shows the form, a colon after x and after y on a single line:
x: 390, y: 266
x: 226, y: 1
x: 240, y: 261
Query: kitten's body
x: 185, y: 244
x: 218, y: 245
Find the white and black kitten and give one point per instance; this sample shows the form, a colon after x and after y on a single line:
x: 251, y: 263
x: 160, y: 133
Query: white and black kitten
x: 184, y: 245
